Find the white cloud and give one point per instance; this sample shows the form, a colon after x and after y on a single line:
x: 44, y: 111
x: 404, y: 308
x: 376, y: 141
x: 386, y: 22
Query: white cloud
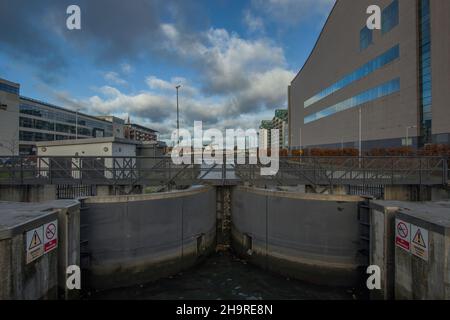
x: 254, y: 24
x: 114, y: 77
x: 126, y: 68
x: 163, y: 85
x: 239, y: 83
x: 292, y: 12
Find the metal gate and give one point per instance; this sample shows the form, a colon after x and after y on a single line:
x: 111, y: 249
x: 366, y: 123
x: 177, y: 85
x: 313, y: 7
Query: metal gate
x: 376, y: 191
x: 64, y: 191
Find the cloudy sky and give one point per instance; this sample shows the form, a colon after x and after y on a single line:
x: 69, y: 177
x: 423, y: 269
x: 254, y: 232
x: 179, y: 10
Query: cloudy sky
x: 233, y: 58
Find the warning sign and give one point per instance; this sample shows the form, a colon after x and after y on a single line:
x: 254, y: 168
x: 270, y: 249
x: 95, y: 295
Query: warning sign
x: 419, y: 243
x: 403, y: 235
x: 50, y: 236
x: 35, y: 244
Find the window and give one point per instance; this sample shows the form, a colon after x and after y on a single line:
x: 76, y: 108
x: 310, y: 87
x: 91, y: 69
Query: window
x: 425, y: 78
x: 367, y: 96
x: 373, y: 65
x: 65, y: 128
x: 10, y: 89
x: 36, y: 124
x: 389, y: 17
x: 365, y: 38
x: 35, y: 136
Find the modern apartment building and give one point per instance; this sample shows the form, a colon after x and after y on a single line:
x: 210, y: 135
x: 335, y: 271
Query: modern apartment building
x: 139, y: 133
x: 380, y: 88
x: 265, y: 134
x: 25, y: 121
x: 279, y: 122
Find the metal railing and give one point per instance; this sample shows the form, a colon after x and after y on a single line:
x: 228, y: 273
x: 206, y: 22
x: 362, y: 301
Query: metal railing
x: 157, y: 171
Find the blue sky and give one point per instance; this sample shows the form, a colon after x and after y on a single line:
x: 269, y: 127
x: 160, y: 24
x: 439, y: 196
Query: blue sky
x: 234, y: 59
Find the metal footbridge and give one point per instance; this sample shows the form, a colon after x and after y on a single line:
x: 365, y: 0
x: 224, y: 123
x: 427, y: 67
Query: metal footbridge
x: 161, y: 171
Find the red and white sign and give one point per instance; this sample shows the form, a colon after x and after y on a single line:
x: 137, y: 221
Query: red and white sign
x: 403, y: 235
x: 50, y: 236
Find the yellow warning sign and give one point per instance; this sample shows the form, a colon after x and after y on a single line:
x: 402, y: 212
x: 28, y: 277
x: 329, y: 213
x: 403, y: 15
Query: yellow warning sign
x: 35, y: 244
x: 418, y: 239
x: 35, y: 241
x: 419, y: 244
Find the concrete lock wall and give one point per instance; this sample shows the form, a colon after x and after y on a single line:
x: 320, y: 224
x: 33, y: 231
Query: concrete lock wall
x: 28, y: 193
x: 405, y: 274
x: 137, y: 239
x: 423, y: 271
x: 20, y: 280
x: 44, y: 278
x: 310, y: 237
x: 382, y: 247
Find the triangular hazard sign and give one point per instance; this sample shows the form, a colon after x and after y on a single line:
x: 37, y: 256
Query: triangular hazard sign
x: 418, y: 239
x: 35, y: 241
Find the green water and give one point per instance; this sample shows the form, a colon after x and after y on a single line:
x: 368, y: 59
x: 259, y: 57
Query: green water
x: 222, y: 277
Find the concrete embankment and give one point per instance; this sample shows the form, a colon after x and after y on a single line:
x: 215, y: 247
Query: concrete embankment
x: 137, y: 239
x: 310, y: 237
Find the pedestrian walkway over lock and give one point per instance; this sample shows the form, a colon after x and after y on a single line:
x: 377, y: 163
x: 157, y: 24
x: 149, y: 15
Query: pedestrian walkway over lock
x: 160, y: 171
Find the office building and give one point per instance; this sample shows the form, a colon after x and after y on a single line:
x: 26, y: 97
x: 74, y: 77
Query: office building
x: 25, y: 121
x: 378, y: 88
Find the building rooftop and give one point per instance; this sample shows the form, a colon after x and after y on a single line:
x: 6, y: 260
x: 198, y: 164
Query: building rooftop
x: 141, y: 127
x: 63, y: 109
x: 266, y: 124
x: 281, y: 114
x: 86, y: 141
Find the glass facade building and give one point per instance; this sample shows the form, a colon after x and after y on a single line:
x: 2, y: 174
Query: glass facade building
x: 386, y: 88
x: 368, y: 68
x: 390, y: 17
x: 367, y: 96
x: 7, y: 88
x: 39, y: 121
x: 425, y: 83
x: 365, y: 38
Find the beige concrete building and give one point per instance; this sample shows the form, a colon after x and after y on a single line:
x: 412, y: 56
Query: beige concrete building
x: 385, y: 88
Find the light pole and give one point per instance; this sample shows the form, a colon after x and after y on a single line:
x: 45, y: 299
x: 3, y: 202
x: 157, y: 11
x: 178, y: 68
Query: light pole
x: 407, y: 135
x: 301, y: 144
x: 76, y: 124
x: 178, y: 116
x: 360, y: 132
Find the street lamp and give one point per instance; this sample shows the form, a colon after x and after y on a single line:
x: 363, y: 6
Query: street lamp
x: 76, y: 123
x: 360, y: 133
x: 178, y: 115
x: 407, y: 134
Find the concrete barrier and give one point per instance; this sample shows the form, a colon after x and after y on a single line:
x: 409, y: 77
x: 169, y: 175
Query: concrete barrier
x: 20, y: 278
x: 382, y: 247
x: 140, y: 238
x: 28, y: 193
x: 38, y: 279
x: 422, y: 271
x: 310, y: 237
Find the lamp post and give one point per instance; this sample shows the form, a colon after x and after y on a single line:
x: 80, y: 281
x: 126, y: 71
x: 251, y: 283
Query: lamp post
x: 407, y: 135
x: 360, y: 133
x: 178, y: 116
x: 76, y: 124
x: 301, y: 142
